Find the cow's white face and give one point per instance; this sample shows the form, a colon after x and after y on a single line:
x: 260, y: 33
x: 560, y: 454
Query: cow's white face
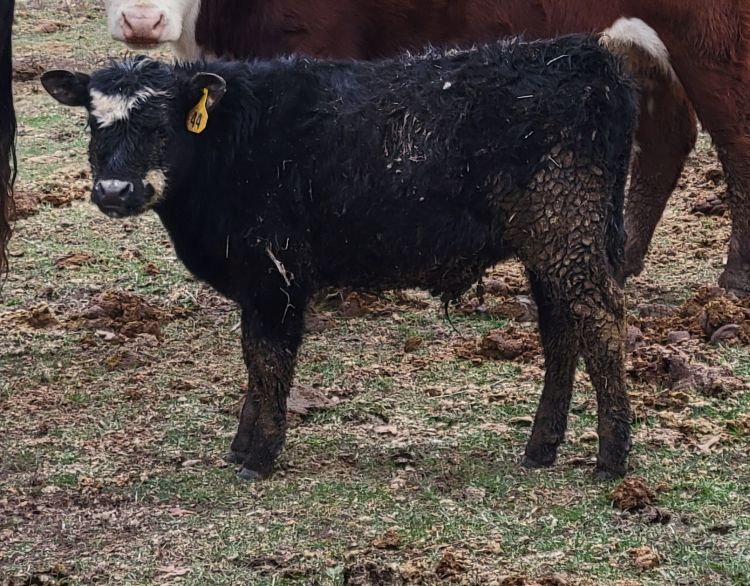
x: 148, y: 23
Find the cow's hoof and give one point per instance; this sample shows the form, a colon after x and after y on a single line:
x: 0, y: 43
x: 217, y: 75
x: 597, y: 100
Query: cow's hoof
x: 604, y: 474
x: 252, y: 475
x: 232, y: 457
x: 532, y: 464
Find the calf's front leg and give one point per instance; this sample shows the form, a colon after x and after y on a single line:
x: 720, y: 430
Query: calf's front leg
x: 270, y: 341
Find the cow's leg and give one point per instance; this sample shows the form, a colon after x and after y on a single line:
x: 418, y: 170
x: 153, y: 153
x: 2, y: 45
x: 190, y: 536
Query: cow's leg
x: 270, y: 340
x: 666, y: 135
x: 560, y: 344
x: 714, y: 69
x: 735, y: 158
x: 600, y: 314
x: 723, y: 104
x: 725, y: 113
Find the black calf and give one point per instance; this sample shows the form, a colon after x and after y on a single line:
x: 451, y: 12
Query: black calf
x: 415, y: 172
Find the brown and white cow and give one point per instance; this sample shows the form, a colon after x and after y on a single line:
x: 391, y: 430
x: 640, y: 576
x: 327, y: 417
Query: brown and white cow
x: 698, y: 56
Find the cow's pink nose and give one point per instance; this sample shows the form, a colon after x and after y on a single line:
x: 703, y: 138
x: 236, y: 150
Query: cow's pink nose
x: 143, y: 25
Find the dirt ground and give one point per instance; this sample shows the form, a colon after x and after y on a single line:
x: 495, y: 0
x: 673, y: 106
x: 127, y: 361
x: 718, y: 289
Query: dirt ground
x: 121, y: 376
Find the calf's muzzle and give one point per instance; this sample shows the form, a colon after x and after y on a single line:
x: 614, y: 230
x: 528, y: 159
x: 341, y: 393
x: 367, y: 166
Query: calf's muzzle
x: 112, y: 196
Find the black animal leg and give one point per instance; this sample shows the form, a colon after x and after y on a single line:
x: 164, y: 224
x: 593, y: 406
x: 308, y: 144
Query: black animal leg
x: 560, y: 356
x: 270, y: 358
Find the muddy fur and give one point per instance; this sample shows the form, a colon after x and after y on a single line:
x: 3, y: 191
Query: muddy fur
x: 7, y: 131
x: 420, y: 171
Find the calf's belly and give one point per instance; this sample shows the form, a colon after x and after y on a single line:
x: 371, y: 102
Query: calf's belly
x: 442, y: 253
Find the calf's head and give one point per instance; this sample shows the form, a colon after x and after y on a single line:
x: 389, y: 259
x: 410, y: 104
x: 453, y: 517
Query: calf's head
x: 145, y: 23
x: 138, y: 112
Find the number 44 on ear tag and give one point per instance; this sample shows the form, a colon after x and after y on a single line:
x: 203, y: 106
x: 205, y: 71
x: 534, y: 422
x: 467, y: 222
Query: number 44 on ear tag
x: 198, y: 116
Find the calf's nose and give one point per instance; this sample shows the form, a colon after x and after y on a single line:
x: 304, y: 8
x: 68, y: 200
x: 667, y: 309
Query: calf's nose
x: 143, y: 24
x: 112, y: 192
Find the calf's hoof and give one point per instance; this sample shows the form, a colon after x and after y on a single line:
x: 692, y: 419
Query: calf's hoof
x: 736, y: 281
x: 540, y: 454
x: 631, y: 268
x: 232, y: 457
x: 252, y: 475
x: 602, y: 474
x: 531, y: 464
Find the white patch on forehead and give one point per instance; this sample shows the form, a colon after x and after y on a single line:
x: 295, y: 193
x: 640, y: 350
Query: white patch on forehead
x: 157, y: 179
x: 111, y: 108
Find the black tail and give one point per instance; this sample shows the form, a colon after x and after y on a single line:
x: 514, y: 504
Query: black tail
x: 7, y: 131
x: 616, y: 234
x: 618, y: 141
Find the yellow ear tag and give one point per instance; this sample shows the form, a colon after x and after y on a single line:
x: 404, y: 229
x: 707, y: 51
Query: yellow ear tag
x: 198, y: 116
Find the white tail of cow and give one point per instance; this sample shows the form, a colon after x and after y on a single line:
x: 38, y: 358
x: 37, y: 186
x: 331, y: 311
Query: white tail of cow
x: 640, y: 45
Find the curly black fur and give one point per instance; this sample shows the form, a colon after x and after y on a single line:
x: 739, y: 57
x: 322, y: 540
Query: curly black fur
x: 420, y: 171
x: 7, y: 131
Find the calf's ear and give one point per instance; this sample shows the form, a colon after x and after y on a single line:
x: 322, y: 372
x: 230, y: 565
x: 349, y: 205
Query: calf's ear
x: 215, y: 85
x: 67, y: 87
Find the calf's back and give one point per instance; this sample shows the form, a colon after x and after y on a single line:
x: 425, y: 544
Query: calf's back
x: 403, y: 172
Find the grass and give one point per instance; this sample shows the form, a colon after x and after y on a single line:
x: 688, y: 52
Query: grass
x: 110, y: 455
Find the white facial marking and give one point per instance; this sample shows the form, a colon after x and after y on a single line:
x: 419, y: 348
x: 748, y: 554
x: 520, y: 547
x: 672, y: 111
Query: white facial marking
x: 111, y: 108
x: 626, y: 33
x: 157, y: 179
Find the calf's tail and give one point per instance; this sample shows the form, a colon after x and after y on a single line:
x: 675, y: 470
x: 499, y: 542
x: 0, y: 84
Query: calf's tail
x: 617, y: 140
x: 7, y: 132
x: 616, y: 235
x: 645, y: 57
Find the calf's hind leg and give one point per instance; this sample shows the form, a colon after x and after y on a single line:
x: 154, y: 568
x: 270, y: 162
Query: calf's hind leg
x: 582, y: 311
x: 560, y: 344
x: 580, y: 303
x: 600, y: 313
